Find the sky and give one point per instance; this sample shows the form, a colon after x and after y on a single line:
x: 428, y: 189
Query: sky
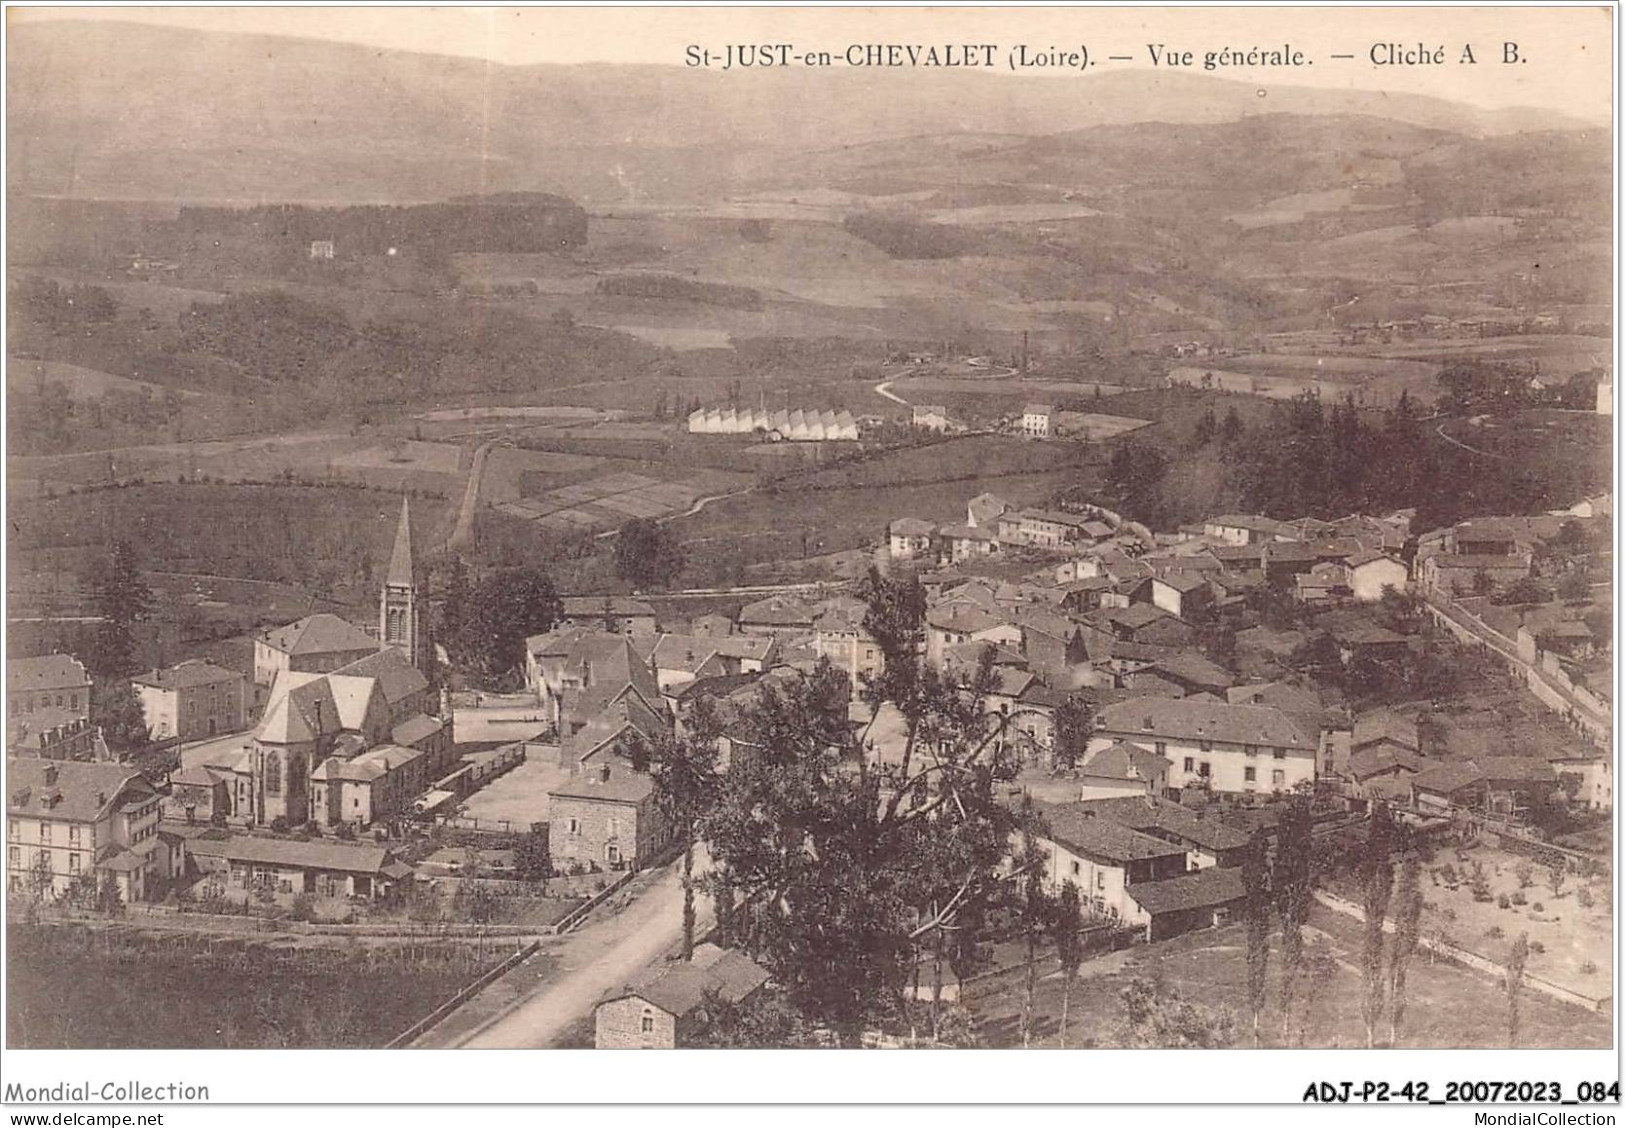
x: 1568, y: 51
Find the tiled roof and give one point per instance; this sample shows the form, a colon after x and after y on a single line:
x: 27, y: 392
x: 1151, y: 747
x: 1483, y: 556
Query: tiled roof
x: 1368, y: 762
x: 319, y: 634
x: 962, y: 617
x: 911, y: 527
x: 188, y: 675
x: 1151, y: 815
x: 396, y: 676
x: 681, y: 988
x: 81, y: 793
x: 320, y: 855
x: 1072, y: 825
x: 1196, y: 720
x: 623, y: 786
x: 1448, y: 778
x: 1190, y: 667
x: 1125, y: 761
x: 416, y: 728
x: 1370, y: 728
x: 1209, y: 888
x: 1518, y: 768
x: 776, y: 611
x: 49, y: 671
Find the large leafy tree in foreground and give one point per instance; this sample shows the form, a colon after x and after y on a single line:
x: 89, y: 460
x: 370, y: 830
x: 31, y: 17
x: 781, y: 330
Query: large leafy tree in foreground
x: 849, y: 872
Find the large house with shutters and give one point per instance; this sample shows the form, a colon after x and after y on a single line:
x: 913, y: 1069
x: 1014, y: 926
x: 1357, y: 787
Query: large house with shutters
x: 1240, y: 749
x: 66, y: 820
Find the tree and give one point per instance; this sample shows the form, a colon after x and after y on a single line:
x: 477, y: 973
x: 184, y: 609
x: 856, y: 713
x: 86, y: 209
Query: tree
x: 1483, y: 582
x: 1230, y: 431
x: 1036, y: 911
x: 1513, y: 982
x: 1134, y: 477
x: 504, y: 609
x: 1074, y: 725
x: 764, y: 1021
x: 1407, y: 931
x: 41, y: 882
x: 121, y: 598
x: 115, y: 707
x: 1068, y: 927
x: 1320, y: 965
x: 842, y: 884
x: 1575, y: 585
x: 1376, y: 872
x: 454, y: 607
x: 532, y: 860
x: 647, y: 554
x: 1206, y: 427
x: 1157, y: 1017
x: 686, y: 788
x: 1292, y: 882
x: 1255, y: 880
x: 1555, y: 876
x: 1524, y: 589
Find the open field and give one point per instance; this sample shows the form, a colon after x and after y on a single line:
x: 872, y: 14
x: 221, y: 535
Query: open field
x: 1095, y: 427
x: 70, y: 986
x: 1449, y: 1007
x: 920, y: 389
x: 81, y: 383
x: 1372, y: 382
x: 286, y: 533
x: 315, y: 454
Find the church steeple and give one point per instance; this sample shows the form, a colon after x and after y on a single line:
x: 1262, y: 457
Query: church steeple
x: 399, y: 610
x: 401, y: 572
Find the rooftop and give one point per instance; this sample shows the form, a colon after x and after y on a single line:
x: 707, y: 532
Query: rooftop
x: 1082, y: 831
x: 49, y: 671
x: 1208, y: 888
x: 1195, y: 720
x: 319, y: 634
x: 321, y: 855
x: 188, y: 675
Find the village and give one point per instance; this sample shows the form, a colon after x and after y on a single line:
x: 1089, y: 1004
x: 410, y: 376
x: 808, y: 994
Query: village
x: 1159, y: 699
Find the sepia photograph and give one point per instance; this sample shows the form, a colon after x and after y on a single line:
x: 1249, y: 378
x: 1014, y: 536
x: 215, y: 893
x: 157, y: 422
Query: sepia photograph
x: 811, y: 528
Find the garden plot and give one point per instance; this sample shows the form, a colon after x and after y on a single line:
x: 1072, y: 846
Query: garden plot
x: 606, y: 502
x: 1575, y: 939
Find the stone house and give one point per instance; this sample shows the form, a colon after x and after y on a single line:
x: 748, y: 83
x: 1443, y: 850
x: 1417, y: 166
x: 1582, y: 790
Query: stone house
x: 607, y: 816
x: 656, y: 1011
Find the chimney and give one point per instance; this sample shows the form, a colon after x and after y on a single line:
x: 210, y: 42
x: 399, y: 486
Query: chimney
x: 50, y: 775
x: 101, y: 799
x: 603, y: 774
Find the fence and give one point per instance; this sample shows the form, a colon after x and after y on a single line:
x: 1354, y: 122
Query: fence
x: 1471, y: 960
x: 1557, y: 692
x: 469, y: 990
x: 576, y: 915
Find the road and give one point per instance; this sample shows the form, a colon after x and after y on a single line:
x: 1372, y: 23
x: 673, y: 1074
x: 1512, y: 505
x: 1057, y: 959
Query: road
x: 698, y: 505
x: 604, y: 955
x: 471, y: 497
x: 1458, y: 443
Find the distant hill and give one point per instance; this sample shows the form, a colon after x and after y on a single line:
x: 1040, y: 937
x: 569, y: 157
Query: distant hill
x: 134, y: 111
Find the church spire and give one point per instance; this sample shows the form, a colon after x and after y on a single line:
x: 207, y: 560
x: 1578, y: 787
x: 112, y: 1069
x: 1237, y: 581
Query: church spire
x: 401, y: 572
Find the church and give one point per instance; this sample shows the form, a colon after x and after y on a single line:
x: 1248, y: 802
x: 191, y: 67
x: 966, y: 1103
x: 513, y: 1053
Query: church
x: 351, y: 732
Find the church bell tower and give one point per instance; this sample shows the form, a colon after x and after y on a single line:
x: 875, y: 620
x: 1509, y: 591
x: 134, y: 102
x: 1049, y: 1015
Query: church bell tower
x: 399, y: 605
